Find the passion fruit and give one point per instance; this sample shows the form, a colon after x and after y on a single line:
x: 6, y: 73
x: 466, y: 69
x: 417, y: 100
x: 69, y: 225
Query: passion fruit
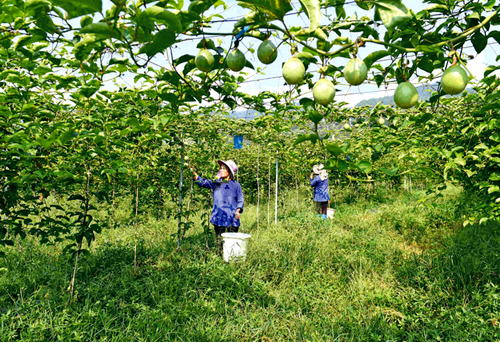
x: 323, y: 91
x: 294, y: 71
x: 406, y: 95
x: 381, y: 121
x: 204, y: 60
x: 454, y: 80
x: 355, y: 71
x: 236, y: 60
x: 347, y: 126
x: 267, y: 52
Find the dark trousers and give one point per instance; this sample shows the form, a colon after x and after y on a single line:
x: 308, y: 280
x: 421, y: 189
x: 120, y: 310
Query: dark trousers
x: 322, y: 207
x: 218, y: 232
x: 221, y: 229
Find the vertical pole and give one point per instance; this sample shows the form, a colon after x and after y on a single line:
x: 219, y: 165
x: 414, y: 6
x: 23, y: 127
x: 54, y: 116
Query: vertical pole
x: 238, y: 164
x: 179, y: 223
x: 258, y: 190
x: 276, y: 196
x: 269, y: 194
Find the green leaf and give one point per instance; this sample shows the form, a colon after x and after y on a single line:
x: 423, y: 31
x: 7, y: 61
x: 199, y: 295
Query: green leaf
x: 303, y: 137
x: 493, y: 188
x: 364, y: 166
x: 390, y: 172
x: 375, y: 56
x: 162, y: 40
x: 76, y: 197
x: 78, y: 8
x: 437, y: 8
x: 364, y: 4
x: 27, y: 40
x: 315, y: 117
x: 118, y: 60
x: 334, y: 149
x: 306, y: 101
x: 132, y: 122
x: 276, y: 9
x: 100, y: 29
x: 88, y: 91
x: 342, y: 165
x: 66, y: 136
x: 200, y: 6
x: 32, y: 6
x: 495, y: 35
x: 312, y: 8
x: 479, y: 41
x: 160, y: 15
x: 391, y: 12
x: 495, y: 176
x: 306, y: 55
x: 339, y: 7
x: 254, y: 17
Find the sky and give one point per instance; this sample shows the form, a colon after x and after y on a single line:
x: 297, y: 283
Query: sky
x: 272, y: 79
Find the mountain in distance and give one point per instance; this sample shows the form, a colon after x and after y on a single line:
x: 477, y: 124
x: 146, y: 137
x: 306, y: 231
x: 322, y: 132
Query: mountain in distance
x: 424, y: 93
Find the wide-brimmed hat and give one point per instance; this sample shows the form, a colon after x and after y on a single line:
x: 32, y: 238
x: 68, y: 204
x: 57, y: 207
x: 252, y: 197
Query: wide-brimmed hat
x: 318, y: 168
x: 231, y: 166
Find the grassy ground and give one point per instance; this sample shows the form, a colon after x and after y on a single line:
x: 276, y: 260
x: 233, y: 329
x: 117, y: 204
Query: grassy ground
x: 386, y: 268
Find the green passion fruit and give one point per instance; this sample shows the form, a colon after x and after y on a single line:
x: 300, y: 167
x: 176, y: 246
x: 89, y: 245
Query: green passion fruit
x: 323, y: 91
x: 236, y: 60
x: 406, y: 95
x: 381, y: 121
x: 294, y: 71
x: 267, y: 52
x: 454, y: 80
x: 347, y: 126
x: 204, y: 60
x: 355, y: 71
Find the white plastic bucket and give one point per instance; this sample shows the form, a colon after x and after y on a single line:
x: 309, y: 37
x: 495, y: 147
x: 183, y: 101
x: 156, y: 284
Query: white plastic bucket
x: 235, y: 246
x: 330, y: 212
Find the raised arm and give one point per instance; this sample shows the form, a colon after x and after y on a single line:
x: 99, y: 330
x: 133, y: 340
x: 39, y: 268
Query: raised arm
x: 314, y: 181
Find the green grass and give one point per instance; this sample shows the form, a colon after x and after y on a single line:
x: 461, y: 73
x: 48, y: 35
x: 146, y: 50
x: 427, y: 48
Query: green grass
x: 387, y: 268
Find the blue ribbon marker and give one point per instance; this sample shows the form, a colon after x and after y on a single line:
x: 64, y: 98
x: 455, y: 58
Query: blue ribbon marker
x: 241, y: 33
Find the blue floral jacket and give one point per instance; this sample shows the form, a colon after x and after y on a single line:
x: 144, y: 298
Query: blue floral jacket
x: 228, y: 197
x: 320, y: 189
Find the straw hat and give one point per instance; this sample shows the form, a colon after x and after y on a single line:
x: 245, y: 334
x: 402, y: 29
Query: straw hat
x: 231, y: 166
x: 318, y: 168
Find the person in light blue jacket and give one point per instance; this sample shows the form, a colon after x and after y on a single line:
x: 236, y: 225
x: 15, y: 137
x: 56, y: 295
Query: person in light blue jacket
x: 319, y: 180
x: 227, y: 197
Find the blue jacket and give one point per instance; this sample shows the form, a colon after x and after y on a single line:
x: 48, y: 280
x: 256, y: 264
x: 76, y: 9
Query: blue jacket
x: 227, y: 198
x: 320, y: 189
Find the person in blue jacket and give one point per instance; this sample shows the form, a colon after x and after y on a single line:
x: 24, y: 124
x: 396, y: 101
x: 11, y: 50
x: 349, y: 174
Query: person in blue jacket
x: 319, y: 180
x: 227, y: 197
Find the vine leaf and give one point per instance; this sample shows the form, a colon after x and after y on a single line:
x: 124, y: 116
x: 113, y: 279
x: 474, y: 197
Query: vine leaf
x: 312, y: 8
x: 390, y: 12
x: 77, y: 8
x: 276, y: 9
x: 158, y: 14
x: 479, y: 41
x: 365, y: 166
x: 162, y: 40
x: 375, y: 56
